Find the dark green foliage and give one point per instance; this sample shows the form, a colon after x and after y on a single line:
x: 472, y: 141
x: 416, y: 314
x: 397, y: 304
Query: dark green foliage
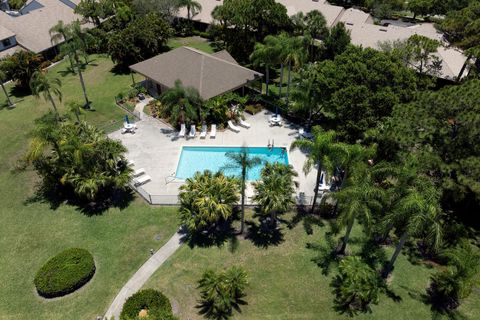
x: 143, y: 38
x: 77, y: 158
x: 181, y: 104
x: 355, y: 287
x: 222, y: 292
x: 443, y: 130
x: 65, y: 273
x: 207, y: 200
x: 336, y: 41
x: 241, y: 23
x: 456, y: 282
x: 20, y: 67
x: 359, y: 88
x: 154, y: 302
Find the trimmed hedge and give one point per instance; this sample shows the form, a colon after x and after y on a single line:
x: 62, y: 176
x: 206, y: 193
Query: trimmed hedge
x: 154, y: 302
x: 64, y: 273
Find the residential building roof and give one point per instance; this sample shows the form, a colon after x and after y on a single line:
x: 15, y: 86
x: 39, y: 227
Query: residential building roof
x: 330, y: 12
x: 38, y: 16
x: 5, y: 33
x: 210, y: 74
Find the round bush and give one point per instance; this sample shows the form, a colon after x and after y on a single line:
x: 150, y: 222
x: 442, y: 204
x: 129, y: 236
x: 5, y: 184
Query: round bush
x: 66, y: 272
x: 149, y: 301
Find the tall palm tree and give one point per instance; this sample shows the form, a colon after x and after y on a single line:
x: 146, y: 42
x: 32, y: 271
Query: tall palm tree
x: 264, y: 55
x: 3, y: 76
x: 322, y: 152
x: 274, y: 192
x: 48, y: 87
x: 306, y: 98
x: 294, y: 55
x: 193, y: 7
x: 418, y: 212
x: 75, y: 109
x: 61, y: 33
x: 184, y: 102
x: 73, y: 49
x: 244, y: 162
x: 82, y: 37
x: 360, y: 199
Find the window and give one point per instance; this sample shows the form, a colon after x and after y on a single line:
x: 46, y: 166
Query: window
x: 7, y: 42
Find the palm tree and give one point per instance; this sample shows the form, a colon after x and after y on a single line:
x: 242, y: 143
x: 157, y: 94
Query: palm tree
x: 322, y: 152
x: 206, y: 199
x: 306, y: 97
x: 360, y: 199
x: 48, y: 87
x: 264, y: 55
x: 184, y: 102
x: 315, y: 28
x: 3, y: 76
x: 244, y: 162
x: 294, y: 56
x: 82, y: 37
x: 274, y: 192
x: 73, y: 48
x: 61, y: 33
x: 193, y: 7
x: 222, y: 292
x: 75, y: 109
x: 418, y: 212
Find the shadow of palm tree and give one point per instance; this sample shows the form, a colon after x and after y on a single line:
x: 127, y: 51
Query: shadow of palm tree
x: 263, y: 235
x: 56, y: 196
x: 218, y: 236
x: 309, y: 220
x: 326, y: 255
x: 208, y: 310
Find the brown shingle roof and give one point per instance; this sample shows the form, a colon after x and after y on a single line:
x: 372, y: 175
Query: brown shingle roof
x: 209, y: 74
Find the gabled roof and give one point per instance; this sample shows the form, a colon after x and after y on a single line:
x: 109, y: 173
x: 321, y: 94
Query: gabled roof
x: 210, y: 74
x: 5, y: 33
x: 32, y: 27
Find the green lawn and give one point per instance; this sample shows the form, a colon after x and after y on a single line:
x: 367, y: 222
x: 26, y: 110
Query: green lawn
x: 31, y: 232
x: 285, y: 284
x: 194, y: 42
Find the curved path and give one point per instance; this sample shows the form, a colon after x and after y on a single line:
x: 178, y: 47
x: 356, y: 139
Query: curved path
x: 137, y: 281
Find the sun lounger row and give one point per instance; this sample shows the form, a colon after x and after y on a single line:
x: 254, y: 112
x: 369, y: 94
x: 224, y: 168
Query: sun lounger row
x: 139, y: 176
x: 193, y: 131
x: 242, y: 123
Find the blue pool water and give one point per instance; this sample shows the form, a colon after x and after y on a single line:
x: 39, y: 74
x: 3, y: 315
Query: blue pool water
x: 195, y: 159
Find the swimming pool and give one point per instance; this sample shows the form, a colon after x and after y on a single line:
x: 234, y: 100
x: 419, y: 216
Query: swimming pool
x: 195, y: 159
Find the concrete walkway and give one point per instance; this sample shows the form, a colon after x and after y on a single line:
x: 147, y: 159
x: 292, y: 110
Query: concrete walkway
x: 142, y: 275
x: 140, y: 106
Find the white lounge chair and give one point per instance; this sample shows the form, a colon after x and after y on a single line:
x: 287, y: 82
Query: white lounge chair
x: 203, y: 134
x: 131, y: 163
x: 245, y: 124
x: 138, y: 172
x: 213, y: 131
x: 141, y: 180
x: 181, y: 134
x: 233, y: 127
x: 193, y: 131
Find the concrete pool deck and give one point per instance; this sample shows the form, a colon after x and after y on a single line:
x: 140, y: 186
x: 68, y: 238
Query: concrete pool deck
x: 156, y: 148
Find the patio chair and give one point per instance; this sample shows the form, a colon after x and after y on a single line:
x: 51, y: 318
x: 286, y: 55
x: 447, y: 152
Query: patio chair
x: 142, y: 180
x: 138, y: 172
x: 131, y: 163
x: 193, y: 131
x: 203, y: 134
x: 245, y: 124
x: 233, y: 127
x: 213, y: 131
x: 181, y: 134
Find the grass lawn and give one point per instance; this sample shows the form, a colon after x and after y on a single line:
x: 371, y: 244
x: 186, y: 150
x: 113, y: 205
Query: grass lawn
x: 194, y: 42
x: 31, y: 232
x: 284, y: 283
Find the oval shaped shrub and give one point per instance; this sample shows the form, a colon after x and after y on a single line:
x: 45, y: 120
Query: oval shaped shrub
x: 66, y: 272
x: 149, y: 303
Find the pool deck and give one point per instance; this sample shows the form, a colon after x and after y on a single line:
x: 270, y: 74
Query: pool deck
x: 156, y: 148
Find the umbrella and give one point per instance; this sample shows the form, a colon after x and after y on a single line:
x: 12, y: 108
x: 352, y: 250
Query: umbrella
x: 126, y: 119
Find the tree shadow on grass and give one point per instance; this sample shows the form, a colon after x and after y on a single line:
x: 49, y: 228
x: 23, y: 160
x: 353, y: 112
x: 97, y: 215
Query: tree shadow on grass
x: 217, y: 236
x: 55, y: 197
x: 263, y: 234
x: 309, y: 220
x: 120, y: 70
x: 326, y: 256
x: 207, y: 309
x: 20, y: 92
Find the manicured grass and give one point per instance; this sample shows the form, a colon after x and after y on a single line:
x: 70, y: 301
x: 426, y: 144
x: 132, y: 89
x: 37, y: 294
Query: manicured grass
x: 31, y: 232
x: 285, y: 284
x: 194, y: 42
